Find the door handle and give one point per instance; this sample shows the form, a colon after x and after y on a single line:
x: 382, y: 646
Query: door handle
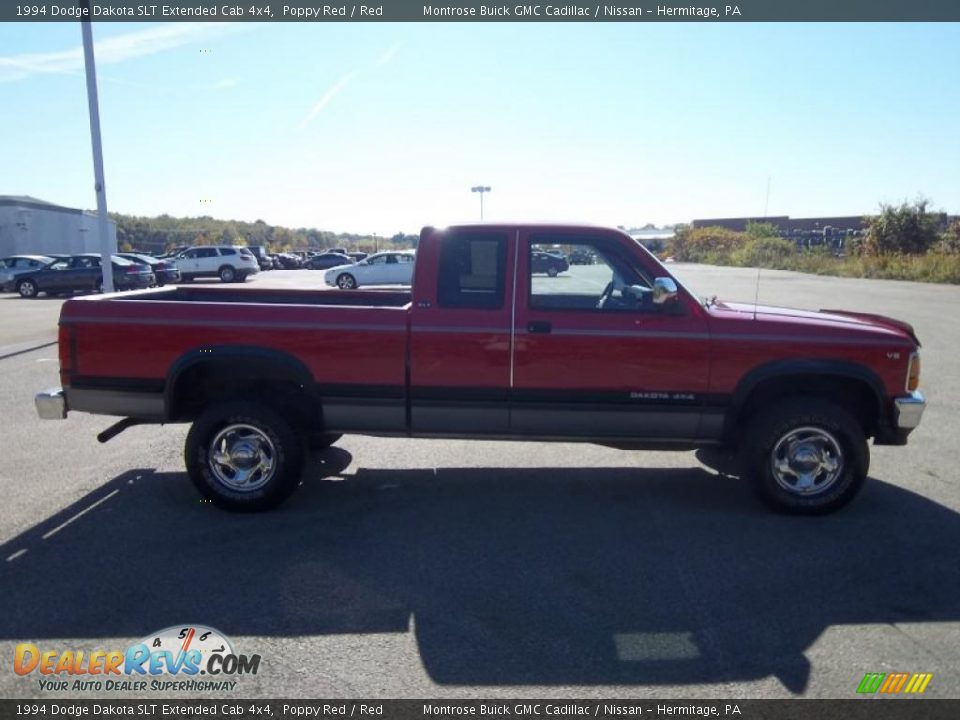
x: 539, y: 326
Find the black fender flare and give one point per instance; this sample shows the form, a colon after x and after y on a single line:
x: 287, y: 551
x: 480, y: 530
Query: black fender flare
x: 782, y: 369
x: 257, y: 362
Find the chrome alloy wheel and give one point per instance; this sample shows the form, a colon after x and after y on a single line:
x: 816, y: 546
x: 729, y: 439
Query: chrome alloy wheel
x: 242, y: 458
x: 806, y: 461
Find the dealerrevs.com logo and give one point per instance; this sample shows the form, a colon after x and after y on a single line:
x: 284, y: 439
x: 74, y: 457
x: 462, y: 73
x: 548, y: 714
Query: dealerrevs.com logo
x: 181, y: 657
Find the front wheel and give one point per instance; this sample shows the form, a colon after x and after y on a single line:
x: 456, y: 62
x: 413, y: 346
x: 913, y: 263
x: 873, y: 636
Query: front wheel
x: 346, y: 282
x: 27, y: 289
x: 806, y: 456
x: 244, y: 456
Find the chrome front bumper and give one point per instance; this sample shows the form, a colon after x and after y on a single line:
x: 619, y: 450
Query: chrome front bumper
x: 909, y: 410
x: 51, y: 404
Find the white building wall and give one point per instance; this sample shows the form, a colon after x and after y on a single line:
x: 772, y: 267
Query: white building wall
x: 36, y: 231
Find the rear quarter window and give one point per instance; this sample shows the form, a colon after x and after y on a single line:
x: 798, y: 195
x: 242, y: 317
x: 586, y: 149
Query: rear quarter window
x: 472, y: 267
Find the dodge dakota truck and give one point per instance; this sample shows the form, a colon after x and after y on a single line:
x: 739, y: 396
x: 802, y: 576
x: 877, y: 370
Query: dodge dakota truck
x: 616, y: 352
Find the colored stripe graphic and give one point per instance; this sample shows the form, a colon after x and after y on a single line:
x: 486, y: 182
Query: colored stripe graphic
x: 894, y: 683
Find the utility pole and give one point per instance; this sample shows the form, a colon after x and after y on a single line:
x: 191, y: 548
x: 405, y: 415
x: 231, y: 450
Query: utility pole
x: 103, y: 222
x: 481, y: 189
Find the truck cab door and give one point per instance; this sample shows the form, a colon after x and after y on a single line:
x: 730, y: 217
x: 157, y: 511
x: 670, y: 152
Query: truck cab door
x: 595, y: 356
x: 460, y: 334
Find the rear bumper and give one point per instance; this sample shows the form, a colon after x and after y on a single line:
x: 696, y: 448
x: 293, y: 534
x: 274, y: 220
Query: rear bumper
x: 908, y: 411
x: 51, y: 404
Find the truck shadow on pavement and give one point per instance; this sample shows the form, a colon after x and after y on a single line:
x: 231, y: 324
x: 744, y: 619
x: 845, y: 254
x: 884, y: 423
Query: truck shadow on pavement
x: 507, y: 576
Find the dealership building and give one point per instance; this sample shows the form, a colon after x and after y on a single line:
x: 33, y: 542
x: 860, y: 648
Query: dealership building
x: 29, y: 226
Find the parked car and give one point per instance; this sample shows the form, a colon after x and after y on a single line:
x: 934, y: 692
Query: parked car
x: 336, y: 251
x: 172, y: 253
x: 581, y: 257
x: 388, y: 268
x: 289, y: 261
x: 482, y: 348
x: 164, y: 270
x: 325, y: 261
x: 230, y: 264
x: 548, y: 262
x: 357, y: 256
x: 263, y: 257
x: 11, y: 267
x: 83, y: 272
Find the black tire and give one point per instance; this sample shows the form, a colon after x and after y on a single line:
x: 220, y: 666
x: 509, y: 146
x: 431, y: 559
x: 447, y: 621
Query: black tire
x: 552, y: 272
x: 27, y: 289
x: 346, y: 281
x: 227, y: 274
x: 258, y: 436
x: 805, y: 434
x: 98, y: 285
x: 321, y: 441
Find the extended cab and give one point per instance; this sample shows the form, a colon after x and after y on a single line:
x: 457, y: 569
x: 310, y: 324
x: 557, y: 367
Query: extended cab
x: 616, y: 352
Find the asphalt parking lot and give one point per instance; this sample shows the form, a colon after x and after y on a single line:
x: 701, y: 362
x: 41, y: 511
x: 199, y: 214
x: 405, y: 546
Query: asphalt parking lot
x: 416, y: 568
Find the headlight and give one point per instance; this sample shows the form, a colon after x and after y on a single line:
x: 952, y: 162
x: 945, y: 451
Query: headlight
x: 913, y: 372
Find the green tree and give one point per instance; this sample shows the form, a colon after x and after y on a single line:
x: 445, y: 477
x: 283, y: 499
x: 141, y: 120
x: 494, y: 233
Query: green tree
x: 756, y: 230
x: 705, y: 244
x: 950, y: 240
x: 907, y: 228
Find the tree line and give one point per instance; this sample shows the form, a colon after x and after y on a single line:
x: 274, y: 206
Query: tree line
x: 163, y: 233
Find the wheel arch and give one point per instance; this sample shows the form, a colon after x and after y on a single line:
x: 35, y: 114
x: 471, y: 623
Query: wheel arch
x: 219, y: 373
x: 854, y: 386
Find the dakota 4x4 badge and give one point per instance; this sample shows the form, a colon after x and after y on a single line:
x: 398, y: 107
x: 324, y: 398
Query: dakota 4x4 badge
x: 179, y: 651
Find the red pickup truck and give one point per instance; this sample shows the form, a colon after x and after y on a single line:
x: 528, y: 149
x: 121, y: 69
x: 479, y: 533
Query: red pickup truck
x: 615, y: 352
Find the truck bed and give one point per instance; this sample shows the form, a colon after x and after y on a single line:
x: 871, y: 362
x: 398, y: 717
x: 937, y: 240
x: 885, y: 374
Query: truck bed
x: 132, y: 344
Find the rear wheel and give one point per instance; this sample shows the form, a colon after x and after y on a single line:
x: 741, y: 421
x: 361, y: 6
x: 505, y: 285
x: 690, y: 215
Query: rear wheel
x: 346, y: 281
x: 552, y: 272
x: 244, y: 456
x: 806, y: 456
x: 27, y: 289
x: 227, y: 274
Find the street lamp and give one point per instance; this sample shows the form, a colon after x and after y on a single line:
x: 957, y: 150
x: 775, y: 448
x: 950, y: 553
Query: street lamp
x: 481, y: 189
x: 93, y: 105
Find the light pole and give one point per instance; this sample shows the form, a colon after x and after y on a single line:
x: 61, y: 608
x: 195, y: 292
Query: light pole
x: 481, y: 189
x: 106, y: 251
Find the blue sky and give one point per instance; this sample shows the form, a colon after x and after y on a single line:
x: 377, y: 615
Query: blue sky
x: 384, y: 127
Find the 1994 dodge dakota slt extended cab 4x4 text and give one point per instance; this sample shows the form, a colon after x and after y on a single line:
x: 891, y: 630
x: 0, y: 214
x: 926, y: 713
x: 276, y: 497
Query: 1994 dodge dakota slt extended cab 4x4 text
x: 615, y: 352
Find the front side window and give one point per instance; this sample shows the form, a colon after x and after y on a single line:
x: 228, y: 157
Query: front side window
x: 379, y: 260
x: 206, y: 252
x: 472, y: 269
x: 586, y: 274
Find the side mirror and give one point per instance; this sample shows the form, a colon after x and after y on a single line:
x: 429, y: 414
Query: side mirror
x: 664, y: 291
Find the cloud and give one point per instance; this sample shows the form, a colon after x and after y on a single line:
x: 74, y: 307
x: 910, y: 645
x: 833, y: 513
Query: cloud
x: 329, y: 95
x: 109, y: 51
x: 385, y: 57
x: 388, y: 54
